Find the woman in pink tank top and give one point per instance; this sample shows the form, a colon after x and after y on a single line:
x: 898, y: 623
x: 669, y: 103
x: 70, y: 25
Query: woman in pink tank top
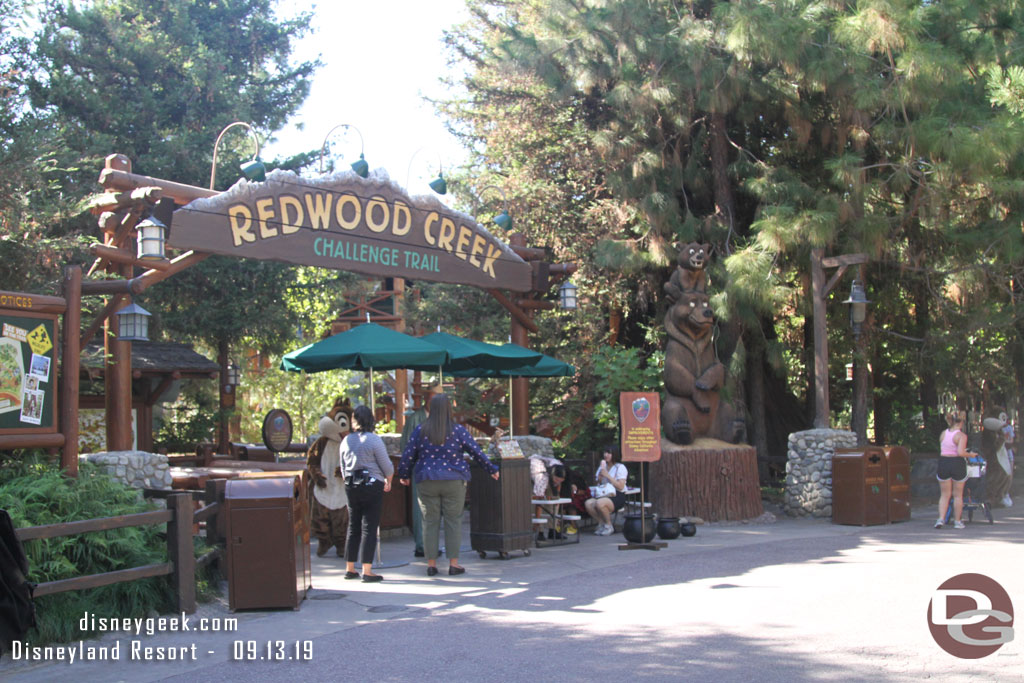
x: 952, y: 470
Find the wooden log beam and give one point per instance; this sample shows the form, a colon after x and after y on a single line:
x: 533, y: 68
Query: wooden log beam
x: 137, y: 285
x: 126, y: 257
x: 106, y: 579
x: 12, y: 441
x: 164, y: 385
x: 536, y: 304
x: 528, y: 253
x: 89, y: 525
x: 517, y: 313
x: 37, y: 303
x: 116, y: 179
x: 71, y: 363
x: 843, y: 260
x: 113, y: 305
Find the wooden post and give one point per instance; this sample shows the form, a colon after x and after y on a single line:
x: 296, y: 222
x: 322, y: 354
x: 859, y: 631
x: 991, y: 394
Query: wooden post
x: 818, y: 293
x: 71, y: 365
x: 179, y: 551
x: 215, y: 526
x: 227, y: 399
x: 401, y: 374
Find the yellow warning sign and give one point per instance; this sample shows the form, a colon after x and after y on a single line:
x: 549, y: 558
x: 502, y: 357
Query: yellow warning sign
x: 39, y: 341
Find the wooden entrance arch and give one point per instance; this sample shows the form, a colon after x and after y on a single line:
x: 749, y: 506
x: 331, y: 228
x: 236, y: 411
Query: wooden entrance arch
x: 345, y: 222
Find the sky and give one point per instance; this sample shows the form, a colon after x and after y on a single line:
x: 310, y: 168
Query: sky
x: 379, y: 59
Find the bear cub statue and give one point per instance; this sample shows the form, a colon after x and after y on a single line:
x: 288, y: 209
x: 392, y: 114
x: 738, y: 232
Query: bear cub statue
x: 690, y: 271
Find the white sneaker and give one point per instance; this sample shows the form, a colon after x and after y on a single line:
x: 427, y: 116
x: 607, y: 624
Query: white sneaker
x: 599, y: 530
x: 958, y: 525
x: 608, y: 530
x: 1007, y: 502
x: 938, y: 524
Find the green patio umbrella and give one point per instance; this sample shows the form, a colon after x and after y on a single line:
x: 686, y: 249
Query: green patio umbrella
x: 366, y: 347
x: 469, y: 354
x: 545, y: 367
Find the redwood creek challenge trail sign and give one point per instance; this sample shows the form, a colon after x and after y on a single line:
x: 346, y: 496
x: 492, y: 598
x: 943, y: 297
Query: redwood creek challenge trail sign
x: 345, y: 222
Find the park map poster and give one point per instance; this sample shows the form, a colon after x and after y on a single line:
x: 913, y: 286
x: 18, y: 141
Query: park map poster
x: 28, y: 372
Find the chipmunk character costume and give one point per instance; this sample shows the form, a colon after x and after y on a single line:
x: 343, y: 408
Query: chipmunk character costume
x: 329, y: 522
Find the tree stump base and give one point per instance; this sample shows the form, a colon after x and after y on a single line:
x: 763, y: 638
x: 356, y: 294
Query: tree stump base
x: 708, y: 478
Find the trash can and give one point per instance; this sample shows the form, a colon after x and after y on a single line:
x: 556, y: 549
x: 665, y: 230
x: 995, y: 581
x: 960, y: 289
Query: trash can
x: 499, y: 511
x: 897, y: 460
x: 267, y: 540
x: 860, y: 493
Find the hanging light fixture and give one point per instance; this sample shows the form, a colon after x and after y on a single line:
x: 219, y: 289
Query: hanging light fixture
x: 232, y: 377
x: 151, y: 235
x: 503, y: 220
x: 133, y: 323
x: 438, y: 184
x: 858, y: 303
x: 360, y: 167
x: 567, y: 296
x: 253, y: 169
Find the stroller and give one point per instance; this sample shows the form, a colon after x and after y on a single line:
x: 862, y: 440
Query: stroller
x: 974, y: 492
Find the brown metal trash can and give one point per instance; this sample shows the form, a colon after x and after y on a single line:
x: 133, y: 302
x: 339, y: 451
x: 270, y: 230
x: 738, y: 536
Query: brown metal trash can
x: 500, y: 518
x: 897, y: 460
x: 267, y: 539
x: 860, y: 493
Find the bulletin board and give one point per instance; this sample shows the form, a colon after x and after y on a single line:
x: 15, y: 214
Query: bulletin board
x: 28, y: 372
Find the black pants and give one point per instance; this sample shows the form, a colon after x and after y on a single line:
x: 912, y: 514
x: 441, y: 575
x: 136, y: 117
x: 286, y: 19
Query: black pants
x: 364, y: 505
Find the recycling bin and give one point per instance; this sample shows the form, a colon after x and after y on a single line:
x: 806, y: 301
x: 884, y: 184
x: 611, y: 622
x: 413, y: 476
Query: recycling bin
x: 860, y: 492
x: 500, y: 518
x: 897, y: 459
x: 267, y: 542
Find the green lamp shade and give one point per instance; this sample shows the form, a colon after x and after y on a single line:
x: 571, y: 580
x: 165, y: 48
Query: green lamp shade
x: 503, y: 220
x: 439, y: 185
x: 254, y: 170
x: 361, y: 168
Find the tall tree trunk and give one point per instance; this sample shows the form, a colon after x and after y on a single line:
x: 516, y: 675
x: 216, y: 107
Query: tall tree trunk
x: 929, y: 395
x: 756, y: 400
x: 882, y: 404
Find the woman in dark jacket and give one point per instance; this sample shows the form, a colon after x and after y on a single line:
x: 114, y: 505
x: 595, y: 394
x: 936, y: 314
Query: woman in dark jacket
x: 368, y: 472
x: 434, y: 457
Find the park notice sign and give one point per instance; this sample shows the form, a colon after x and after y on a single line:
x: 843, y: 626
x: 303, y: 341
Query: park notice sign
x: 28, y: 371
x: 640, y: 416
x: 345, y: 222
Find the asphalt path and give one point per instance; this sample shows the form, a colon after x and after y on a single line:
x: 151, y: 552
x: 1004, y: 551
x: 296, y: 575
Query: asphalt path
x: 792, y: 600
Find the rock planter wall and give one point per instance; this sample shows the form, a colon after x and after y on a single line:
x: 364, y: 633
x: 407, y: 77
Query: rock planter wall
x: 135, y: 468
x: 809, y: 471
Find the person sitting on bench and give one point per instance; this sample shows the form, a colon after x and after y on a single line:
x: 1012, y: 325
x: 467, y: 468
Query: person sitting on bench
x: 610, y: 492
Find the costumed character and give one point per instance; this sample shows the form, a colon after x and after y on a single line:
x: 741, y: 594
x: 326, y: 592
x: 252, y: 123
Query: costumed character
x: 329, y: 520
x: 998, y: 471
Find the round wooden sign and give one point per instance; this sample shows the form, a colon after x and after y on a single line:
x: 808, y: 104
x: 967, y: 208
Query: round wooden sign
x: 277, y: 430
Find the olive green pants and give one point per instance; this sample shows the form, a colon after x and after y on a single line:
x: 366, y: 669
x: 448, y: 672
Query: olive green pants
x: 445, y: 498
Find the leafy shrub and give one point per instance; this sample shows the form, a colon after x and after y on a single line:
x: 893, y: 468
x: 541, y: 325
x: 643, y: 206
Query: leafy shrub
x: 35, y: 494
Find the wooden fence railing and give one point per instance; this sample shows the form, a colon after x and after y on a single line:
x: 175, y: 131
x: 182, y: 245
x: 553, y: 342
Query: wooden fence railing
x: 181, y: 560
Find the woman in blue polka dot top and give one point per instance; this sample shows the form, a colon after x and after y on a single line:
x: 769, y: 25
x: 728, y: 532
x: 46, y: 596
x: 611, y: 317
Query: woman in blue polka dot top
x: 434, y: 456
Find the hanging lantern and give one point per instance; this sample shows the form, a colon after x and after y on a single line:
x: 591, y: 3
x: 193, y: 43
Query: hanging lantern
x: 567, y: 296
x: 234, y: 374
x: 151, y: 236
x: 133, y: 323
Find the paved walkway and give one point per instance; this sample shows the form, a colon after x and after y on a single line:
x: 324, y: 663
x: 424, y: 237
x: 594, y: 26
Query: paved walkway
x: 793, y: 600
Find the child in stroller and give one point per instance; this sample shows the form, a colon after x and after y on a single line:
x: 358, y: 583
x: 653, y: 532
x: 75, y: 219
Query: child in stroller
x: 974, y: 491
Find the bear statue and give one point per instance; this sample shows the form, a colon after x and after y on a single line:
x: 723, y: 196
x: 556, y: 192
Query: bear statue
x: 689, y: 274
x: 693, y: 375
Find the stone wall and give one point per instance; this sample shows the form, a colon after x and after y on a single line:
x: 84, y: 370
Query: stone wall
x: 809, y: 471
x: 135, y: 468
